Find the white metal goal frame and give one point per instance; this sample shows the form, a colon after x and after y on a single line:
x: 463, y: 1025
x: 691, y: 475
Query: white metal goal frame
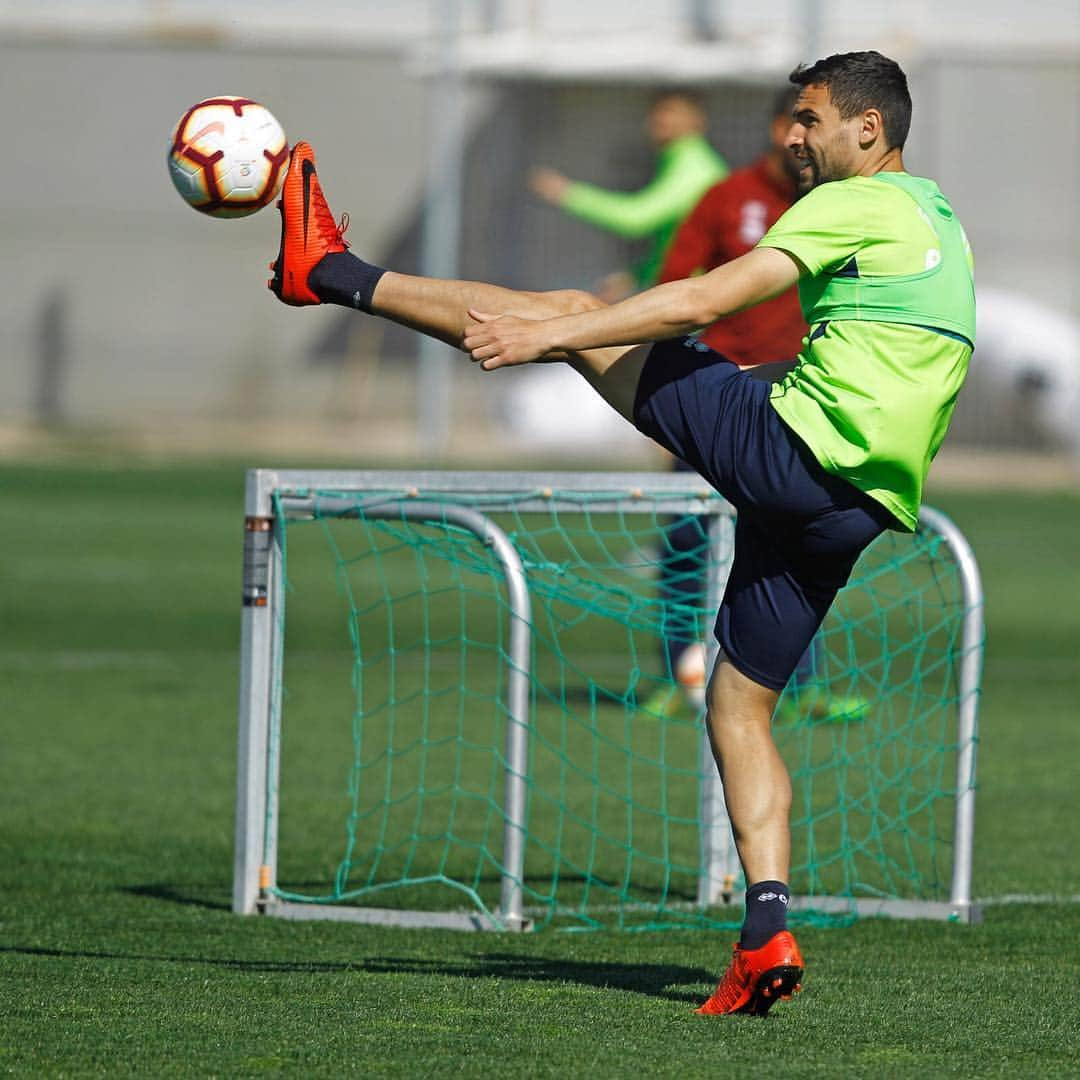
x: 428, y: 496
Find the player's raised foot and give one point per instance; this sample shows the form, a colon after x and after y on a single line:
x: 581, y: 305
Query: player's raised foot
x: 757, y: 978
x: 308, y: 230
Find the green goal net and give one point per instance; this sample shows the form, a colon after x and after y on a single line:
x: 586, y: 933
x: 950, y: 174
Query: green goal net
x: 458, y: 709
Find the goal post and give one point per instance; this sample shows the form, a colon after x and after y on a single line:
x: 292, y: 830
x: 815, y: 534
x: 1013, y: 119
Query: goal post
x: 466, y: 721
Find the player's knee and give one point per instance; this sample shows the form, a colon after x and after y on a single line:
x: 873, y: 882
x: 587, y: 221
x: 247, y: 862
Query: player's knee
x: 736, y: 702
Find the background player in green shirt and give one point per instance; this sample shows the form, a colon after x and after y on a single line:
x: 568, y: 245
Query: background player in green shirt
x: 816, y: 467
x: 686, y: 167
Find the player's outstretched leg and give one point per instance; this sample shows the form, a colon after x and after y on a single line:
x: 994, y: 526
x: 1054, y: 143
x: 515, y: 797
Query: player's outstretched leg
x: 313, y: 266
x: 757, y: 978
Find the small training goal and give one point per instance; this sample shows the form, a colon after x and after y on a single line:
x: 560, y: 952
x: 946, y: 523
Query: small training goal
x: 455, y: 710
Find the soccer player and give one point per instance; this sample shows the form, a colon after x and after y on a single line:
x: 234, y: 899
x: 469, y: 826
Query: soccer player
x: 817, y: 465
x: 686, y: 166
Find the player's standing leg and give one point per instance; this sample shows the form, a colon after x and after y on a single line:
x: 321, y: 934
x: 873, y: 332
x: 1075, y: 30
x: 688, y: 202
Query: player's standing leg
x: 767, y: 965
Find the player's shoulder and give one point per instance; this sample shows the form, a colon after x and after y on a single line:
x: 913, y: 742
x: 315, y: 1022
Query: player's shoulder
x: 879, y: 187
x: 838, y: 191
x: 840, y: 200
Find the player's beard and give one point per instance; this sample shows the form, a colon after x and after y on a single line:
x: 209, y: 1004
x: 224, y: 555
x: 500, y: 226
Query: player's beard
x: 807, y: 175
x: 798, y: 173
x: 830, y: 160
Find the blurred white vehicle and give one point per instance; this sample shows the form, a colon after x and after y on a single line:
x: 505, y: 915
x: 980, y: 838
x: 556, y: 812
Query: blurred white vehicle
x: 1025, y: 347
x: 551, y: 407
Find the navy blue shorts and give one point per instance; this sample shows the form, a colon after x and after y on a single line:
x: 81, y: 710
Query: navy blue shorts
x: 799, y: 529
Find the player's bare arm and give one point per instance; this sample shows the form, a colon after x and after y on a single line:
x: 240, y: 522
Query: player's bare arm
x: 666, y: 311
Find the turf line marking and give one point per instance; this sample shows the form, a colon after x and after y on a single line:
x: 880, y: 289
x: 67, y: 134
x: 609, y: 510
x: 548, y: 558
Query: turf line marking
x: 1028, y: 898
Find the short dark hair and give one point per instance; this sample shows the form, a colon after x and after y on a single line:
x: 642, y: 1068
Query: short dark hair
x: 857, y: 81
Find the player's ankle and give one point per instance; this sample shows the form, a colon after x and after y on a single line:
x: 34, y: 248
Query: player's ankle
x: 342, y: 278
x: 766, y: 913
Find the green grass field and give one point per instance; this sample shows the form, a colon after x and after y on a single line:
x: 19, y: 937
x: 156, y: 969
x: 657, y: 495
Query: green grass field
x: 119, y: 954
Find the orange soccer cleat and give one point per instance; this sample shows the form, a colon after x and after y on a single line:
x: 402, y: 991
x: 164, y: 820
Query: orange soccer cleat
x: 308, y: 230
x: 756, y: 978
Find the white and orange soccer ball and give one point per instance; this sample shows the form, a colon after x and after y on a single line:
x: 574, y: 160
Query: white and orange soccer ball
x: 227, y: 156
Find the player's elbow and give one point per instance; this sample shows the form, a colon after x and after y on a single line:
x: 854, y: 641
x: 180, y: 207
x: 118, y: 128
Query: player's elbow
x: 698, y: 306
x: 729, y: 288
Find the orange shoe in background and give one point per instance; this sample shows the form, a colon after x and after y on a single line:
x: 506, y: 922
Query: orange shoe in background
x: 308, y: 230
x: 757, y: 978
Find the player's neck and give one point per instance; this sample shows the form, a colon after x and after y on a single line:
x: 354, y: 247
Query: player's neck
x: 891, y: 161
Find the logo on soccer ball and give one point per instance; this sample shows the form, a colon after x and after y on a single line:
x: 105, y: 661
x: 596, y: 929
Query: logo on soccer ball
x: 227, y: 156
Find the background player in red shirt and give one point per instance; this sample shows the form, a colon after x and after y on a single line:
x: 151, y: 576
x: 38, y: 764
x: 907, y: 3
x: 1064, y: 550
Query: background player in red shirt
x: 730, y: 219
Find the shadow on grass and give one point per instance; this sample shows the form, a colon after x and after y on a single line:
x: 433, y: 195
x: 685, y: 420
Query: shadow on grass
x: 652, y: 980
x: 175, y: 896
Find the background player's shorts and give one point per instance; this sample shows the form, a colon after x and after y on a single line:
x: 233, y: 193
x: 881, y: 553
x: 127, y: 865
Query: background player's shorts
x: 799, y: 529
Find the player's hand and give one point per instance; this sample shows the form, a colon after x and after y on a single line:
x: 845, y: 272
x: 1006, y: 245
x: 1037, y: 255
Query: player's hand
x: 497, y: 341
x: 549, y: 185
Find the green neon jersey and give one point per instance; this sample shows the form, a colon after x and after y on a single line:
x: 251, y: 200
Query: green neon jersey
x: 890, y: 301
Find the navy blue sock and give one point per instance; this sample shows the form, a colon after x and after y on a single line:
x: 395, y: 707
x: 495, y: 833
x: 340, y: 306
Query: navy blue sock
x: 766, y: 913
x: 342, y: 278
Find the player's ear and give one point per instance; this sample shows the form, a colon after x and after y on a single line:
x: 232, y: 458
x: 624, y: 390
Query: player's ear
x: 871, y: 127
